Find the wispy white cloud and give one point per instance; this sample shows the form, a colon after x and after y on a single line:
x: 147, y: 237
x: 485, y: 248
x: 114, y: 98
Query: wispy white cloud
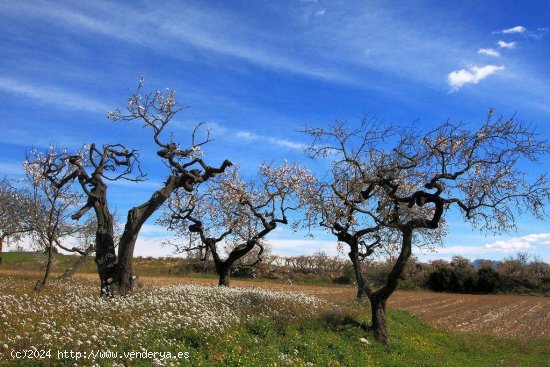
x: 488, y: 52
x: 516, y: 29
x: 320, y: 12
x: 504, y: 44
x: 519, y: 243
x: 179, y: 30
x: 221, y: 42
x: 184, y: 25
x: 537, y: 33
x: 473, y: 75
x: 330, y: 50
x: 249, y: 136
x: 501, y: 246
x: 52, y: 95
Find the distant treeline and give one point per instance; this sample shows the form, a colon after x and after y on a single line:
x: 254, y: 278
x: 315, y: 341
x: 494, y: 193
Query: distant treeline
x: 519, y: 274
x: 516, y: 274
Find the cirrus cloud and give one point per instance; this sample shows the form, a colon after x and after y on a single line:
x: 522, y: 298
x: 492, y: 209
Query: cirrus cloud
x: 249, y: 136
x: 488, y: 52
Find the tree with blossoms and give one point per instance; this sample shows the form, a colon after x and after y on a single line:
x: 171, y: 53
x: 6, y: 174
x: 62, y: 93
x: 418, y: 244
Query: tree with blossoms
x: 96, y: 166
x: 235, y: 216
x: 394, y: 187
x: 15, y: 207
x: 50, y: 211
x: 92, y: 167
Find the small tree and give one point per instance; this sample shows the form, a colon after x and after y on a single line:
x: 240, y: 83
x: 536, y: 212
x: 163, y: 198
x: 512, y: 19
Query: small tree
x: 50, y: 214
x: 237, y: 214
x: 411, y: 184
x: 15, y: 207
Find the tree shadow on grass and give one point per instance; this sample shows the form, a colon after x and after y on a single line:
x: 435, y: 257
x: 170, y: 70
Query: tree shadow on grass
x: 339, y: 322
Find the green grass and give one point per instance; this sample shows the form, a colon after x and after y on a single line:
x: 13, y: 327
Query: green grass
x: 334, y: 340
x: 16, y: 257
x: 25, y: 261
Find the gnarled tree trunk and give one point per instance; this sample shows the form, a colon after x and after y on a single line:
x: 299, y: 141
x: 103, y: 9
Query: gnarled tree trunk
x: 379, y: 298
x: 362, y: 287
x: 105, y: 256
x: 378, y: 315
x: 124, y: 279
x: 137, y: 216
x: 224, y: 272
x: 224, y: 267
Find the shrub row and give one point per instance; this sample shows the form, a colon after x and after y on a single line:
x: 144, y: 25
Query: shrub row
x: 485, y: 280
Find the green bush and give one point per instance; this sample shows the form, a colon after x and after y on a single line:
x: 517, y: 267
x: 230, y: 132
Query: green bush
x: 488, y: 281
x: 348, y: 277
x: 457, y: 280
x: 440, y: 280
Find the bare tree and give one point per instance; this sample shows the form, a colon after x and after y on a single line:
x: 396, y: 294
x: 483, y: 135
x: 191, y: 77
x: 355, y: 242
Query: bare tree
x: 15, y: 206
x: 407, y: 187
x: 236, y: 213
x: 94, y: 167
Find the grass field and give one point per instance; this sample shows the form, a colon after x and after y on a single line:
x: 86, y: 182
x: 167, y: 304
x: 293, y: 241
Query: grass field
x: 256, y: 324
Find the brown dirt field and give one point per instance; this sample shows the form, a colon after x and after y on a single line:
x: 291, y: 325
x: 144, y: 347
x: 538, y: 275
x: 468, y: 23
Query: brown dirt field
x: 512, y: 316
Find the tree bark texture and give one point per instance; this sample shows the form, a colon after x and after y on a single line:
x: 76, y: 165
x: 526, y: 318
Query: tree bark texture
x: 124, y: 277
x: 379, y: 298
x: 378, y: 314
x: 225, y: 274
x: 362, y: 287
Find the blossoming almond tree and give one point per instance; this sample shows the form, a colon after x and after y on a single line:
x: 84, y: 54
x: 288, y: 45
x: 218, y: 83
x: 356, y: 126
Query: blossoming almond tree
x: 50, y: 211
x: 236, y: 213
x: 186, y: 165
x: 15, y: 206
x: 407, y: 187
x: 95, y: 167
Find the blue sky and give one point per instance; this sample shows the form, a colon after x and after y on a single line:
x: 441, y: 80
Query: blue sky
x: 255, y: 72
